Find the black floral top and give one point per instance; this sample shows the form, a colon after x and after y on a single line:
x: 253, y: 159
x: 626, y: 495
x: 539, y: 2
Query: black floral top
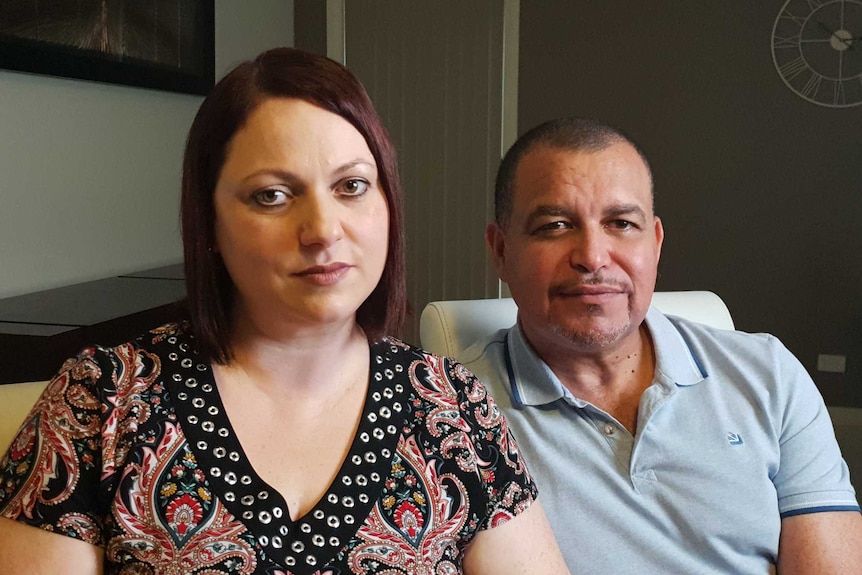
x: 129, y: 448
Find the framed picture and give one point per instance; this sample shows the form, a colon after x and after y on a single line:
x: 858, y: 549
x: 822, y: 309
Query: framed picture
x: 161, y: 44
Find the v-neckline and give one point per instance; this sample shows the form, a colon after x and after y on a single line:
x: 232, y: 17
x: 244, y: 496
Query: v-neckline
x: 316, y: 537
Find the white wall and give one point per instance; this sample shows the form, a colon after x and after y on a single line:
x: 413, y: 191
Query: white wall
x: 90, y: 172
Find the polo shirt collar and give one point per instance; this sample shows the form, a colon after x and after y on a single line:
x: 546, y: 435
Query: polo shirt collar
x: 675, y: 364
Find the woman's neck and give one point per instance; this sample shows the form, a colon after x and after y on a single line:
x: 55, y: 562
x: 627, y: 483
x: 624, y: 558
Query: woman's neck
x: 297, y: 357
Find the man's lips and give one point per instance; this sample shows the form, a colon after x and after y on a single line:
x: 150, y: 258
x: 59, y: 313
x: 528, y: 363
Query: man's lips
x: 589, y: 291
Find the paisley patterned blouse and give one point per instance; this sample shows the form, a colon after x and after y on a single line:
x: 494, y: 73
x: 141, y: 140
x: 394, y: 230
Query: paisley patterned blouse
x: 129, y: 448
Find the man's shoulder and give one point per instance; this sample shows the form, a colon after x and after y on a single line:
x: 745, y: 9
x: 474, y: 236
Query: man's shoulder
x: 486, y: 358
x: 709, y: 339
x: 758, y: 364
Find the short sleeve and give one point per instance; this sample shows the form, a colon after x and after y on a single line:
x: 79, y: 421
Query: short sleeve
x: 52, y: 471
x: 812, y: 476
x: 507, y: 483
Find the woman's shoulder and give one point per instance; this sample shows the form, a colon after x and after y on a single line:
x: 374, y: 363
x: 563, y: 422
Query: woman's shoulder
x: 432, y: 378
x: 155, y: 340
x: 391, y: 346
x: 105, y: 367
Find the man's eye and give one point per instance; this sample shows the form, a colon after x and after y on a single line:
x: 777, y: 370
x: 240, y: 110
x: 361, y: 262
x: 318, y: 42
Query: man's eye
x: 622, y: 225
x: 355, y: 187
x: 553, y: 226
x: 270, y: 197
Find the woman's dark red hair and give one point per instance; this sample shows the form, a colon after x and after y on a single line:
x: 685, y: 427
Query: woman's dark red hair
x: 278, y: 73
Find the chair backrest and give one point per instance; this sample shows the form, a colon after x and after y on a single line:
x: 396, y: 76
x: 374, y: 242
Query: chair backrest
x: 449, y: 327
x: 16, y: 400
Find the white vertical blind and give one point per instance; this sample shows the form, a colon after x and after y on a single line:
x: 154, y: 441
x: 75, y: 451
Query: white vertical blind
x: 435, y: 73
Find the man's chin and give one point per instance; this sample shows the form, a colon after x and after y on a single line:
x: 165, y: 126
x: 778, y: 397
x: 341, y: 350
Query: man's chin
x: 592, y: 337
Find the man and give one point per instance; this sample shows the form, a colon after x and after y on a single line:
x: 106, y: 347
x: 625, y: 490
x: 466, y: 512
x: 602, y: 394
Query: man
x: 659, y: 445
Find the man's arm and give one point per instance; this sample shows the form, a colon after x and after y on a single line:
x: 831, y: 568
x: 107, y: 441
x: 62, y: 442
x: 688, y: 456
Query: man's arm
x: 820, y: 543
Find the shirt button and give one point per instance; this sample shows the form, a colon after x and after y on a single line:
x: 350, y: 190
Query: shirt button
x: 609, y: 429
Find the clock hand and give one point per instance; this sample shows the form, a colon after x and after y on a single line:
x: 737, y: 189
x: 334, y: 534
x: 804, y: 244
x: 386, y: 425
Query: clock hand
x: 846, y: 41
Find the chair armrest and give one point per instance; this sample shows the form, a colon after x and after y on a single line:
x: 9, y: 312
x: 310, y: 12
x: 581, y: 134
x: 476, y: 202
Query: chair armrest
x: 16, y: 400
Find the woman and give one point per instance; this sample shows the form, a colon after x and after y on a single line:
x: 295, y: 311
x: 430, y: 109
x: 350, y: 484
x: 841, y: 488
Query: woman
x: 278, y: 431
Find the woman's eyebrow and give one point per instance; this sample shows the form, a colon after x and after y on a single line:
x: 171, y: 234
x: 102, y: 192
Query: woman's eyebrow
x: 358, y: 162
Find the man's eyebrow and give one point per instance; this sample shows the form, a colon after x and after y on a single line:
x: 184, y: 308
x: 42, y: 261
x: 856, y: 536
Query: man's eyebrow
x: 542, y: 211
x: 625, y: 210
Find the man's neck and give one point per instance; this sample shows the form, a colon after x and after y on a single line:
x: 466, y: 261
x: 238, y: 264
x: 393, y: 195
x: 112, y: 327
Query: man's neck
x: 612, y: 378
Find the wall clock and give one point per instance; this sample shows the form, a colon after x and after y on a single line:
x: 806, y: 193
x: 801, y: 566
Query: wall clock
x: 817, y: 50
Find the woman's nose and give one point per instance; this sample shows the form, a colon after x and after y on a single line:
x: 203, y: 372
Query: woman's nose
x: 321, y: 221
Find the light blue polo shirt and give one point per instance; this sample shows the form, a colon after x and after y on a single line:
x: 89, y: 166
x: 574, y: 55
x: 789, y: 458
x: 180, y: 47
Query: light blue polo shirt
x: 732, y: 436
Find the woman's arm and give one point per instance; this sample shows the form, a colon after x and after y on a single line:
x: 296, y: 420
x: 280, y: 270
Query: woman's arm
x: 25, y: 550
x: 521, y: 546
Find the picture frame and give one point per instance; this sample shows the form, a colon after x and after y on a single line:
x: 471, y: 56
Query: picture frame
x: 158, y: 44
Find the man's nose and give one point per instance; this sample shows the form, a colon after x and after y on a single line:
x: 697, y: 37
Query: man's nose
x: 321, y: 220
x: 591, y: 250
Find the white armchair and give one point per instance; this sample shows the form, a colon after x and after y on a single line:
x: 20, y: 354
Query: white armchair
x: 449, y: 327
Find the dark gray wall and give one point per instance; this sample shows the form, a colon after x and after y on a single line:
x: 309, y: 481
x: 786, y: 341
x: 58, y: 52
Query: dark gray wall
x: 760, y: 191
x: 310, y: 26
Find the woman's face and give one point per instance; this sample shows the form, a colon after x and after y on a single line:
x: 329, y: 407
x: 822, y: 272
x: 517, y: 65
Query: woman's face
x: 301, y: 222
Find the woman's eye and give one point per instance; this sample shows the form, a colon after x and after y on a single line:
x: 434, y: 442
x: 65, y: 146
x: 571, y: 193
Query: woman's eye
x: 270, y: 197
x: 355, y: 187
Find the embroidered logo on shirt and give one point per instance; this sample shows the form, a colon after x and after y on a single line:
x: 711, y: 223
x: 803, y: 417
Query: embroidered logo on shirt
x: 734, y: 438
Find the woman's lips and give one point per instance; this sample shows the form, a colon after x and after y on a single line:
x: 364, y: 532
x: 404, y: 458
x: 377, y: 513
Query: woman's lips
x: 324, y: 275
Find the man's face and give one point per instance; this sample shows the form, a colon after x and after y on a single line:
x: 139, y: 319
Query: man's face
x: 581, y: 248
